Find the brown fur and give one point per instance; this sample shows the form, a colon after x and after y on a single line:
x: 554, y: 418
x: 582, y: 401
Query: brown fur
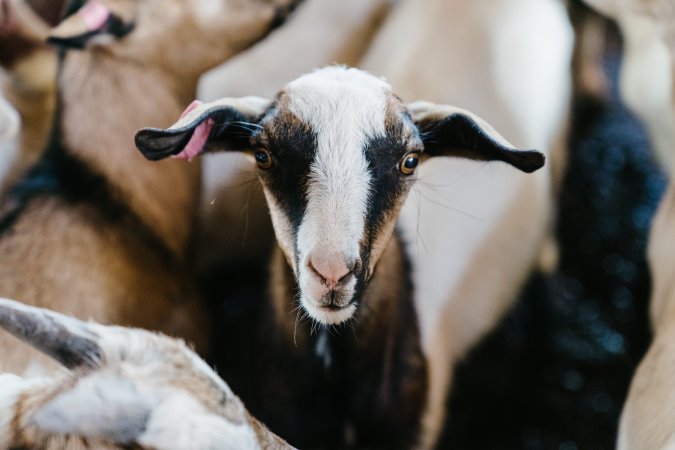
x: 66, y: 256
x: 152, y: 369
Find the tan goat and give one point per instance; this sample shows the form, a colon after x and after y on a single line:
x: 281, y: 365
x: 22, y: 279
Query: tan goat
x: 126, y: 388
x: 94, y: 230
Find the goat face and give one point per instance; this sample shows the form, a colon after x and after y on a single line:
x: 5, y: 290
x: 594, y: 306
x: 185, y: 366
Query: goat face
x: 336, y: 153
x: 180, y: 36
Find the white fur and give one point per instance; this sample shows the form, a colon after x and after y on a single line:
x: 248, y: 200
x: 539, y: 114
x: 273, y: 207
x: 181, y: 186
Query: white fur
x: 103, y: 407
x: 9, y: 121
x: 181, y: 422
x: 471, y: 257
x: 9, y: 141
x: 344, y: 107
x: 149, y: 389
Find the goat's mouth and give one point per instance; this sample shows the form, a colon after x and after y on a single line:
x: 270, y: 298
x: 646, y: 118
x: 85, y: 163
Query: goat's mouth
x: 328, y: 313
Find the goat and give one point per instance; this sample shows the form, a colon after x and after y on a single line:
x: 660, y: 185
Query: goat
x: 336, y: 152
x: 647, y: 84
x: 481, y: 234
x: 124, y: 388
x: 94, y: 230
x: 320, y: 32
x: 647, y: 77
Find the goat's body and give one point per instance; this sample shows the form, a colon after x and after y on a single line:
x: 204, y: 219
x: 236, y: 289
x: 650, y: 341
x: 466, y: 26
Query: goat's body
x: 359, y: 385
x: 647, y: 85
x: 475, y: 232
x: 82, y: 237
x: 126, y: 388
x: 132, y: 279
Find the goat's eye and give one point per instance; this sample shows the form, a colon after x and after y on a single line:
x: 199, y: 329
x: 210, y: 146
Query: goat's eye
x: 263, y: 158
x: 409, y: 163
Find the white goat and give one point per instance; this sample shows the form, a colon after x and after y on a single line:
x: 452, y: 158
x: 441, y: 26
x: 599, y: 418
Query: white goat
x: 125, y: 388
x: 94, y: 230
x: 336, y: 151
x: 320, y: 32
x: 478, y: 231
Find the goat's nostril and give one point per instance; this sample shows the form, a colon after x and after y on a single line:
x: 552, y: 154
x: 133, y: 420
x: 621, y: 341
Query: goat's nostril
x: 331, y: 271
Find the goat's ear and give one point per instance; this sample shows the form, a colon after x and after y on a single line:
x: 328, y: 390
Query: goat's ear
x: 88, y: 20
x: 452, y: 131
x: 69, y: 341
x: 224, y: 124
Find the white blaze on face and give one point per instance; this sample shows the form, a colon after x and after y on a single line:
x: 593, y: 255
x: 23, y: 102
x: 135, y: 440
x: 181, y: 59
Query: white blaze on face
x: 345, y: 108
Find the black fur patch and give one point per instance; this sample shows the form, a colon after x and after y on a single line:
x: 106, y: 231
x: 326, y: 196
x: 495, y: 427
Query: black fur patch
x: 292, y: 144
x: 389, y: 188
x: 60, y: 174
x: 458, y: 135
x: 372, y: 394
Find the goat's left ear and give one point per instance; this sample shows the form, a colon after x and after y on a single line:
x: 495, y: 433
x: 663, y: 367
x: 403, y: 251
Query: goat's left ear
x: 225, y: 124
x: 451, y: 131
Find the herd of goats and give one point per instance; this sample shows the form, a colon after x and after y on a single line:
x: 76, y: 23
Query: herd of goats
x: 336, y: 145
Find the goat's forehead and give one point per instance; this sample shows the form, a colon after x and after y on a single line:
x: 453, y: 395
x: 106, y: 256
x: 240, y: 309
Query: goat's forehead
x: 350, y: 100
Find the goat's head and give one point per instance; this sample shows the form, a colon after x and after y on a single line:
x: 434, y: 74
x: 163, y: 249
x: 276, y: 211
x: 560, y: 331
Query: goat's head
x: 126, y: 386
x: 336, y: 154
x: 180, y: 36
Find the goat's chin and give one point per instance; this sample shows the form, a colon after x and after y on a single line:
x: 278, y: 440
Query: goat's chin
x: 325, y: 315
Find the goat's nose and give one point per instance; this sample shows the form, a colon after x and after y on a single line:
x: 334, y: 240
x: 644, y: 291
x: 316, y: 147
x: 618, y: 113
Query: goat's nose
x: 332, y: 269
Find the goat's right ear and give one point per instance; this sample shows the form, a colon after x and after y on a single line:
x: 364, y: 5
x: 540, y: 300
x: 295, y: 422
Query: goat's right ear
x: 225, y: 124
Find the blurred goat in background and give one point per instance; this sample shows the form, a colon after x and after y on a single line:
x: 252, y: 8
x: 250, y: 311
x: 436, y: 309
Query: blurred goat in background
x: 93, y: 230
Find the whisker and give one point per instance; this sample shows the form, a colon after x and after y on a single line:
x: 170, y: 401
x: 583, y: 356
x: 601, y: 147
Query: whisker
x: 448, y: 207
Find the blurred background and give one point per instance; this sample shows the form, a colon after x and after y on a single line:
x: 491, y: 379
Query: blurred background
x: 553, y: 370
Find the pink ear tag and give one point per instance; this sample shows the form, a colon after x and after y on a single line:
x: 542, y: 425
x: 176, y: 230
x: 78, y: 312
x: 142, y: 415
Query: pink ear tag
x: 199, y: 136
x: 94, y: 14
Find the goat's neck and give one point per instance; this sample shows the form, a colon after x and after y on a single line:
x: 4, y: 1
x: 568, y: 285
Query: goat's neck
x: 104, y: 101
x: 386, y: 301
